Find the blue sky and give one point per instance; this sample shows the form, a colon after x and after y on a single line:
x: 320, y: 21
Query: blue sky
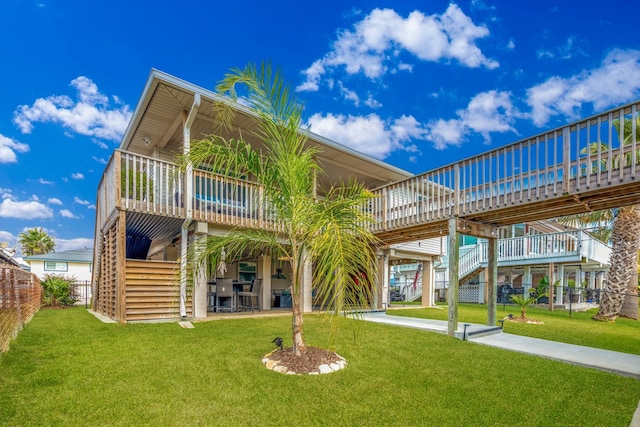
x: 418, y: 84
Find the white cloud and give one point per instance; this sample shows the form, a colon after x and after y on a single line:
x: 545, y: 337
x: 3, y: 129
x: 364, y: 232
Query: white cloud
x: 610, y: 84
x: 72, y: 244
x: 371, y: 102
x: 100, y: 160
x: 24, y: 210
x: 487, y: 112
x: 77, y: 175
x: 6, y: 193
x: 90, y: 114
x: 6, y: 237
x: 8, y: 149
x: 374, y: 44
x: 349, y: 95
x: 54, y: 201
x: 44, y: 181
x: 446, y: 132
x: 66, y: 213
x: 367, y: 134
x: 79, y: 201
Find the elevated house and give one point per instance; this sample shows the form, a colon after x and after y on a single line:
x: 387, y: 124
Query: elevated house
x: 528, y: 254
x: 148, y: 212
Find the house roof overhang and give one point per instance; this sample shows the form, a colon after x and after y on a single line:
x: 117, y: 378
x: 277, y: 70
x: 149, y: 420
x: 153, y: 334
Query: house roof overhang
x: 158, y: 118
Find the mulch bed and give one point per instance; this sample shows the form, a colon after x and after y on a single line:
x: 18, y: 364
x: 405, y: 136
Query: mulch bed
x: 308, y: 362
x: 524, y: 320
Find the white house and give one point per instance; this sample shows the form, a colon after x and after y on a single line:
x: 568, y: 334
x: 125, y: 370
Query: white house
x: 76, y: 263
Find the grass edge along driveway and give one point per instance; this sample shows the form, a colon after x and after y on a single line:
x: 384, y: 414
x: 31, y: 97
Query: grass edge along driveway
x: 622, y: 335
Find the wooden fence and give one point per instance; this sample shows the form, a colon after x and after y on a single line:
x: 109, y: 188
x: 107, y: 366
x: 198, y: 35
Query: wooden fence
x: 20, y: 296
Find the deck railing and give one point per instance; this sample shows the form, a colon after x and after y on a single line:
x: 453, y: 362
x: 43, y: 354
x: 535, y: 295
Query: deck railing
x: 534, y: 248
x: 585, y: 155
x: 591, y: 154
x: 143, y: 184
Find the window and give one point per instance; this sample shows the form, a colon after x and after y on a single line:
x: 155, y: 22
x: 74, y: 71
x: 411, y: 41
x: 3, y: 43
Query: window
x: 55, y: 266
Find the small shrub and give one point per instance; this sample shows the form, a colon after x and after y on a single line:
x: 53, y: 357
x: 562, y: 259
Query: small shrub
x: 57, y: 291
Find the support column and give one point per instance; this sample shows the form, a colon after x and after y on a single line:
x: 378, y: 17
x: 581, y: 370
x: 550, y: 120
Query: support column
x: 559, y: 291
x: 264, y: 273
x: 200, y: 280
x: 188, y: 120
x: 552, y: 278
x: 383, y: 281
x: 526, y: 280
x: 484, y: 278
x: 427, y: 284
x: 121, y: 271
x: 592, y: 280
x: 492, y: 284
x: 454, y: 258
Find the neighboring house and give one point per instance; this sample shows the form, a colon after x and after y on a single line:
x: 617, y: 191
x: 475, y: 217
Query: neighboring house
x: 527, y: 254
x: 148, y: 212
x: 77, y: 264
x: 6, y: 257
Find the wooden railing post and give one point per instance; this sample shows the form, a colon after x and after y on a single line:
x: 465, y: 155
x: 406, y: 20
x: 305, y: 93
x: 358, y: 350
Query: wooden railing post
x: 456, y: 190
x: 566, y: 160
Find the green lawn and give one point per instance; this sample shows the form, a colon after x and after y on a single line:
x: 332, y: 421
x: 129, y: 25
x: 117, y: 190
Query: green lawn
x: 622, y: 335
x: 67, y: 368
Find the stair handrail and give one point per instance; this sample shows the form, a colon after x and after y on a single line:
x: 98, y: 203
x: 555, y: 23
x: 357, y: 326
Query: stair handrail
x: 472, y: 260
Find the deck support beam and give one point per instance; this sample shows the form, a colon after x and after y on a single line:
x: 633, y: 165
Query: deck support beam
x: 188, y: 197
x: 454, y: 280
x: 492, y: 286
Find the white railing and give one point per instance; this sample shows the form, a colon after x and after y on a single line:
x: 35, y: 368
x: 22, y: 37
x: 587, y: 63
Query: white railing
x: 471, y: 260
x: 587, y: 155
x: 527, y: 248
x: 149, y: 185
x: 222, y: 199
x: 143, y: 184
x: 594, y: 249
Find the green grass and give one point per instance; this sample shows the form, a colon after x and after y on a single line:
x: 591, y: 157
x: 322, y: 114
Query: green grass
x: 67, y: 368
x: 623, y: 335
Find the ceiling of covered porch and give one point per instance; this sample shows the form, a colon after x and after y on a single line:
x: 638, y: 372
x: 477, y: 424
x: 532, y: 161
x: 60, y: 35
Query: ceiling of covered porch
x: 157, y: 128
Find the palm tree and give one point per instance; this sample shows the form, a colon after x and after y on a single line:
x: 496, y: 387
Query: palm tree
x: 36, y: 241
x: 622, y: 262
x: 330, y: 233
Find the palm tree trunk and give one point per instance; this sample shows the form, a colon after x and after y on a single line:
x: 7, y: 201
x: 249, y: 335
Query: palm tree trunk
x: 297, y: 306
x: 629, y: 307
x: 626, y: 229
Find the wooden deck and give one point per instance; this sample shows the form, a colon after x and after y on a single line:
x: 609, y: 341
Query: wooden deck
x: 577, y: 168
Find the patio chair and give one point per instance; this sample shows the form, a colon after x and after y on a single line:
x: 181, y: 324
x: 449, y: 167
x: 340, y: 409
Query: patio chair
x: 251, y: 300
x: 225, y: 296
